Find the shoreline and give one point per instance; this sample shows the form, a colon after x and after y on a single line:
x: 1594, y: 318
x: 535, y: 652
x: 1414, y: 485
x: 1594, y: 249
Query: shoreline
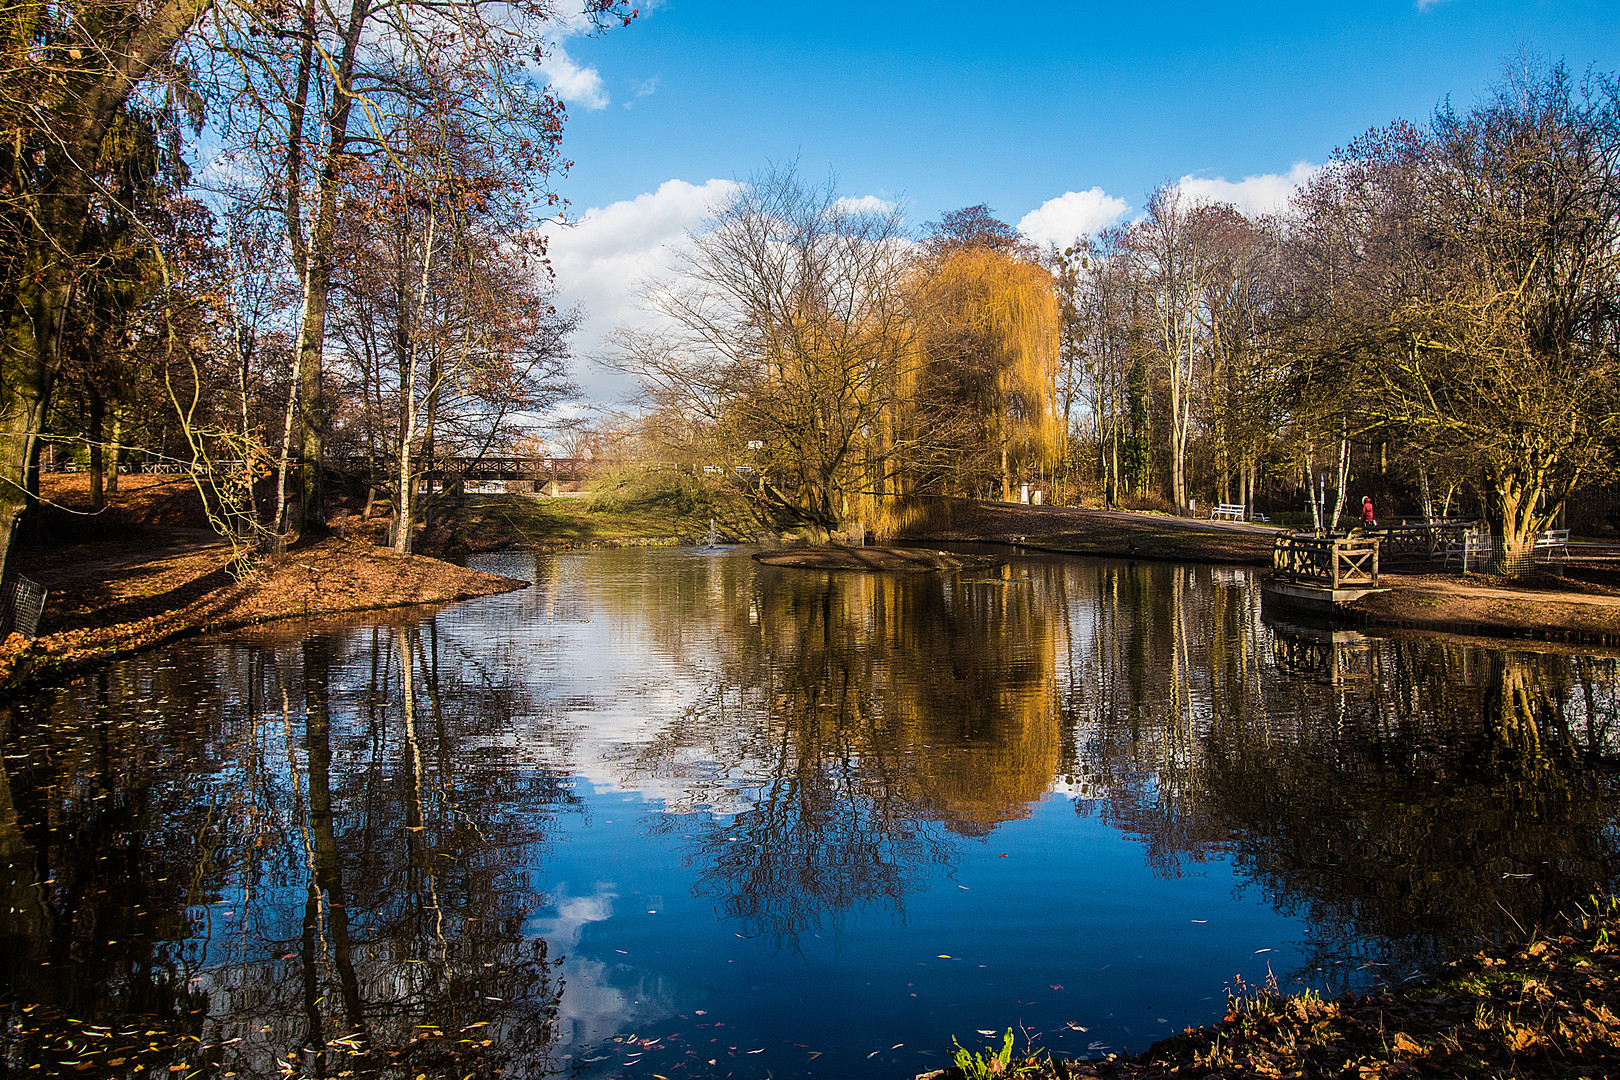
x: 194, y: 592
x: 139, y: 581
x: 1548, y: 1007
x: 1583, y: 609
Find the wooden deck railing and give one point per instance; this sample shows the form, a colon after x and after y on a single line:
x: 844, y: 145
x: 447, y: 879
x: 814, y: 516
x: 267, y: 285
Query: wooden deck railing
x: 1326, y: 562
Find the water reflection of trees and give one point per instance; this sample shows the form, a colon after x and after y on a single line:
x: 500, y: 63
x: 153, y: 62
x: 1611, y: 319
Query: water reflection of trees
x: 1418, y: 794
x: 279, y: 853
x: 851, y: 723
x: 1386, y: 789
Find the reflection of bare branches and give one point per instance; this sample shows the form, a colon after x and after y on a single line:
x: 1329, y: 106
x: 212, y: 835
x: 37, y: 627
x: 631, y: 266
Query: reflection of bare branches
x: 1412, y: 804
x: 336, y: 932
x: 827, y: 831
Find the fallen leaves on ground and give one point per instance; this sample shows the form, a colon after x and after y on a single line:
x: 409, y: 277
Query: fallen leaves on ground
x: 1547, y: 1010
x: 113, y: 606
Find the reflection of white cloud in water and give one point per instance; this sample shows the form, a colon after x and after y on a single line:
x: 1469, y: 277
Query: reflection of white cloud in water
x: 574, y: 913
x: 600, y: 999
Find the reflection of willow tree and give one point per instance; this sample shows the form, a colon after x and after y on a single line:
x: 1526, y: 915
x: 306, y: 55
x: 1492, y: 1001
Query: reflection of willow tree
x: 1445, y: 793
x: 318, y: 852
x: 862, y: 715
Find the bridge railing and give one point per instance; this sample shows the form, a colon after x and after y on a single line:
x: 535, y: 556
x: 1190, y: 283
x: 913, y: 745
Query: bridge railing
x: 1325, y: 561
x: 1421, y: 539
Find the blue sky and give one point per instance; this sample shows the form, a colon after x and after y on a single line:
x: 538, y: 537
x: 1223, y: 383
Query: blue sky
x: 945, y: 105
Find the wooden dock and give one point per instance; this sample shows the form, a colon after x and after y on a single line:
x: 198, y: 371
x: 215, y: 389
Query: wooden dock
x: 1320, y: 574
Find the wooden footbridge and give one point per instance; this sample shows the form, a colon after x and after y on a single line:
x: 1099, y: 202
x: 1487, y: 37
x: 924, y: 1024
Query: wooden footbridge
x: 536, y: 468
x: 539, y: 469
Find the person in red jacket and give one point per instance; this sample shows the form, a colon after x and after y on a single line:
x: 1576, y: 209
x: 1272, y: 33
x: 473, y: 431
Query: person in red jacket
x: 1367, y: 519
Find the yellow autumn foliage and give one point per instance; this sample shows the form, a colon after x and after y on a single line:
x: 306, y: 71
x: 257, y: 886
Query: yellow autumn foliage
x: 990, y: 338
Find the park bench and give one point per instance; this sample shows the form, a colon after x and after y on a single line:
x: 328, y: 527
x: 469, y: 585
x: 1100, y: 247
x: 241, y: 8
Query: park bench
x: 1554, y: 542
x: 1229, y: 511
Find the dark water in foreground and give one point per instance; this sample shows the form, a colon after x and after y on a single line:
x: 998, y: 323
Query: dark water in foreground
x: 670, y: 813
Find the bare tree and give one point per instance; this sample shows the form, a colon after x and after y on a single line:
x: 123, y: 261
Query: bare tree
x: 314, y: 92
x: 1476, y: 289
x: 788, y: 346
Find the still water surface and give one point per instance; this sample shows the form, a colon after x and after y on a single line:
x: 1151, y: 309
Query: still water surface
x: 669, y: 812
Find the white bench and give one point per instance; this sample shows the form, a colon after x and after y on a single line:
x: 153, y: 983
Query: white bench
x: 1555, y: 542
x: 1229, y: 511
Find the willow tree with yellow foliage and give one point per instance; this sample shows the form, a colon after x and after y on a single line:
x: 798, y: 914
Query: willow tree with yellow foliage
x: 989, y: 322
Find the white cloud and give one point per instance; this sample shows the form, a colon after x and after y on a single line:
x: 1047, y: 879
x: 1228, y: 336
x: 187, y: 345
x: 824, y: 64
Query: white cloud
x: 864, y: 204
x: 1262, y: 194
x: 574, y: 84
x: 574, y: 913
x: 602, y: 261
x: 1073, y: 214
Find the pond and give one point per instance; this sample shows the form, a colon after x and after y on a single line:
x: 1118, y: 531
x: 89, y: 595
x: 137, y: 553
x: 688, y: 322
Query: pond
x: 673, y: 813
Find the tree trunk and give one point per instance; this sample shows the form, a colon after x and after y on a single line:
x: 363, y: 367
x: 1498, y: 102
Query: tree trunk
x: 115, y: 444
x: 317, y: 265
x: 1344, y: 480
x: 98, y: 461
x: 68, y: 152
x: 1510, y: 510
x: 31, y: 345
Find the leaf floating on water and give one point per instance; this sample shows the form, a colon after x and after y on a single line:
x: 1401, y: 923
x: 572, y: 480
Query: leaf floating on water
x: 1077, y: 1027
x: 986, y: 1031
x: 873, y: 1054
x: 701, y: 1012
x: 1200, y: 920
x: 1257, y: 952
x: 945, y: 956
x: 1055, y: 986
x: 897, y: 1046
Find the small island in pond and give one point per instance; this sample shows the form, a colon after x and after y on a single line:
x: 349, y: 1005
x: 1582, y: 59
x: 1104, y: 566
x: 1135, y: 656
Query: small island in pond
x: 833, y: 557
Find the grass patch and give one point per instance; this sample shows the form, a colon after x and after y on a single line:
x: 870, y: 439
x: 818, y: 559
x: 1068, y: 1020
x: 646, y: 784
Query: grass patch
x: 625, y: 506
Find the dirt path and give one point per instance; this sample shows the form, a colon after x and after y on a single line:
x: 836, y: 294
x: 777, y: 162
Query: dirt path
x: 1082, y: 531
x: 1542, y: 608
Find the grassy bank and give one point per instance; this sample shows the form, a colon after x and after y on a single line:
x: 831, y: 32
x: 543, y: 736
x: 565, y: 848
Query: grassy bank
x: 625, y: 506
x: 1549, y: 1008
